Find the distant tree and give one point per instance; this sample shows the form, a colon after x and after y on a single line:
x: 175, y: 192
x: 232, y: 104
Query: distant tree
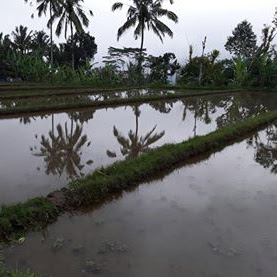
x: 162, y: 66
x: 40, y: 43
x: 84, y: 50
x: 243, y: 41
x: 22, y: 39
x: 119, y: 57
x: 5, y: 49
x: 5, y: 45
x: 145, y: 14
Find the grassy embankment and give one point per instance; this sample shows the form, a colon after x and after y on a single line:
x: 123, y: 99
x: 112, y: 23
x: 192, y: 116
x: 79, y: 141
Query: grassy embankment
x: 124, y: 175
x: 46, y: 104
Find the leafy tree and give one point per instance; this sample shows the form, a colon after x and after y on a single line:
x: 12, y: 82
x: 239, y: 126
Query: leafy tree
x: 161, y: 66
x: 84, y: 50
x: 243, y: 41
x: 120, y: 57
x: 145, y: 14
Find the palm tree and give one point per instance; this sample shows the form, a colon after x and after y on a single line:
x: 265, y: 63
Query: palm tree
x: 71, y: 15
x: 22, y: 39
x: 145, y: 14
x: 53, y: 7
x: 42, y: 8
x: 40, y: 43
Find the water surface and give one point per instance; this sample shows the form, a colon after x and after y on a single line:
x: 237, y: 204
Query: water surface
x: 214, y: 218
x: 43, y: 152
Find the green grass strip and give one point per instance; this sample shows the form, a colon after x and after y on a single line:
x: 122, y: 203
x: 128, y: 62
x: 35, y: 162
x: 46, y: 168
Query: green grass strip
x: 106, y: 182
x: 122, y: 175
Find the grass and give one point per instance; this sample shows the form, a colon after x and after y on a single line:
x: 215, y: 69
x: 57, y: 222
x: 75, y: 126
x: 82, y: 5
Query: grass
x: 19, y: 218
x: 104, y: 183
x: 46, y: 104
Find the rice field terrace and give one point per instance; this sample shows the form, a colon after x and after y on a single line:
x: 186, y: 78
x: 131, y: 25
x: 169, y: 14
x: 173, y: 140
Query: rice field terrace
x: 178, y: 185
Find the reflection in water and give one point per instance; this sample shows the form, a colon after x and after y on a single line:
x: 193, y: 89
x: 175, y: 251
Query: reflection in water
x: 266, y: 148
x: 239, y: 108
x: 134, y: 145
x: 201, y: 108
x: 77, y: 98
x: 62, y: 152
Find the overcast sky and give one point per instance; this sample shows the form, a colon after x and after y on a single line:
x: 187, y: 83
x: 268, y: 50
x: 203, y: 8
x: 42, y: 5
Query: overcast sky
x: 197, y: 18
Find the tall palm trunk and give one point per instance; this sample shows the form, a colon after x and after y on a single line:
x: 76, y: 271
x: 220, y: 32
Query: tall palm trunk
x: 142, y: 40
x: 141, y: 50
x: 51, y: 42
x: 72, y: 46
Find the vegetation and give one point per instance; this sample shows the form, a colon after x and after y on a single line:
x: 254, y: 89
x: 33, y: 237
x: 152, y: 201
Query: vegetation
x: 32, y: 56
x: 243, y: 41
x: 105, y: 182
x: 144, y: 14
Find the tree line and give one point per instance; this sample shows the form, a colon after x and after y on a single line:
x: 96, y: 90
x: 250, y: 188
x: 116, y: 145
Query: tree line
x: 33, y: 55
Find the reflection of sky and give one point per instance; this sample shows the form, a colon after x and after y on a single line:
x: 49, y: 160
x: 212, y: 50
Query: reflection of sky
x: 214, y: 19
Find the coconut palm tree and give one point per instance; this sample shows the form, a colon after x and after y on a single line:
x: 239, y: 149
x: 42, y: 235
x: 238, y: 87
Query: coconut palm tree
x: 53, y: 7
x: 71, y: 15
x: 40, y: 43
x: 22, y: 39
x: 145, y: 14
x: 42, y: 8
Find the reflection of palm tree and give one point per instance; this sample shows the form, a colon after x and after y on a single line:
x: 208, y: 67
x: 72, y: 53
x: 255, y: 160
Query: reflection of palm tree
x: 71, y: 145
x: 62, y: 152
x: 51, y: 151
x: 134, y: 145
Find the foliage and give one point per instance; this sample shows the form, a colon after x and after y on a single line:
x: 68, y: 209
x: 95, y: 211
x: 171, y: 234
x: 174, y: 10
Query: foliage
x: 28, y: 67
x: 145, y: 14
x: 84, y: 50
x: 162, y: 66
x: 243, y: 41
x: 22, y: 39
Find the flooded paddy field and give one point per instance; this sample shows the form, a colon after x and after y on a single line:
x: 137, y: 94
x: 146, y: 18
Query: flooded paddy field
x: 216, y: 217
x: 18, y: 101
x: 41, y: 153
